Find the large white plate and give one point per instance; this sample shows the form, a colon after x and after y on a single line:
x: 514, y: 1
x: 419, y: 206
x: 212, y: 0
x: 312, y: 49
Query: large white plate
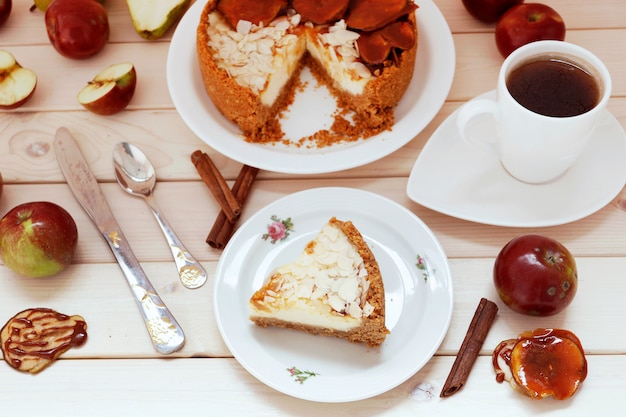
x: 426, y: 94
x: 419, y: 298
x: 458, y: 179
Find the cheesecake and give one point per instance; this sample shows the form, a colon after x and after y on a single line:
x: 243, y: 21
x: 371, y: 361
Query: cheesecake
x: 333, y: 288
x: 251, y: 55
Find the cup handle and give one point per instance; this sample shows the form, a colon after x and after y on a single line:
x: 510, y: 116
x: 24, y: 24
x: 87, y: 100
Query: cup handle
x: 469, y: 111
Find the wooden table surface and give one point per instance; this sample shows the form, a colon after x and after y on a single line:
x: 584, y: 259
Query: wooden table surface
x: 117, y: 372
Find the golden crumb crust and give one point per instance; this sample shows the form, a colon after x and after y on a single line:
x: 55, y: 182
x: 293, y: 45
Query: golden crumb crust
x: 372, y: 330
x: 373, y: 110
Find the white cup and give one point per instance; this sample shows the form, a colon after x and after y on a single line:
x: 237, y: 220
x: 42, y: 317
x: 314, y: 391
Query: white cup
x: 532, y: 147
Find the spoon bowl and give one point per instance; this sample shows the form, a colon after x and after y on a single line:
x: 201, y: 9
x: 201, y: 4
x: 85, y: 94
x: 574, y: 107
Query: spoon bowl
x: 133, y: 171
x: 136, y: 175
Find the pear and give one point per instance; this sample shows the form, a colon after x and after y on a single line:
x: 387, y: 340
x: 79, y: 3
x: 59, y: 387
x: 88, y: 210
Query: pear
x: 152, y: 18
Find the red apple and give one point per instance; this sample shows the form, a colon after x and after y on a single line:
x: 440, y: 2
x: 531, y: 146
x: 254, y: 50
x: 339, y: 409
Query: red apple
x: 37, y: 239
x: 489, y: 11
x: 77, y: 28
x: 17, y: 84
x: 535, y: 275
x: 5, y: 11
x: 525, y: 23
x: 111, y: 90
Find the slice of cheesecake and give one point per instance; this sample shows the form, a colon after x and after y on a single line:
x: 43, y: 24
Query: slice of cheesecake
x: 334, y: 288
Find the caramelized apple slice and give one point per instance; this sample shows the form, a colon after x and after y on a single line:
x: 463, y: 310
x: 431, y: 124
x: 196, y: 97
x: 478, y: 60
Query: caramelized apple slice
x: 375, y: 47
x: 255, y: 11
x: 321, y: 11
x: 370, y: 15
x: 543, y: 363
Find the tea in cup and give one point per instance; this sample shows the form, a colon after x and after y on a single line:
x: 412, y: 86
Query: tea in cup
x: 549, y: 96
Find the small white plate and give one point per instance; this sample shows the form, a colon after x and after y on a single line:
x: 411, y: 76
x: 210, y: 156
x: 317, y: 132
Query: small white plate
x: 434, y: 71
x: 418, y: 296
x: 460, y: 180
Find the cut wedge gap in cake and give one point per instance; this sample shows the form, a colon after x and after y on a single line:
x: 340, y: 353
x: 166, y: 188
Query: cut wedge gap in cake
x: 334, y: 288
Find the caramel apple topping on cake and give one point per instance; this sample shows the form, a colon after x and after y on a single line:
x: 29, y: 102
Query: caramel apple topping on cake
x: 334, y: 288
x: 251, y: 54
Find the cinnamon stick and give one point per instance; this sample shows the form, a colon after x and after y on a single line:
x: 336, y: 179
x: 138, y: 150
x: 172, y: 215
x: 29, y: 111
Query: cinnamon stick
x: 474, y: 338
x: 217, y: 185
x: 223, y: 228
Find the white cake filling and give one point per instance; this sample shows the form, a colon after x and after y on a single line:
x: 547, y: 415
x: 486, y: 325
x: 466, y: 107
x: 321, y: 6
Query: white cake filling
x: 337, y: 51
x: 328, y: 277
x: 263, y: 58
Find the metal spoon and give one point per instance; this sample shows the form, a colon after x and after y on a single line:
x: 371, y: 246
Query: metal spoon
x: 136, y: 175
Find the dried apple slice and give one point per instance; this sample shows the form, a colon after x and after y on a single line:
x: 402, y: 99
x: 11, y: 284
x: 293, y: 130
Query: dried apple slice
x: 255, y: 11
x: 375, y: 47
x: 542, y: 363
x: 370, y: 15
x: 321, y: 11
x: 111, y: 90
x: 17, y: 84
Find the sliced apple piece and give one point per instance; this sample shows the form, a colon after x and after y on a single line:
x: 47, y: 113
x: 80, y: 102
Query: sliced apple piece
x: 111, y: 90
x: 152, y: 18
x: 17, y: 84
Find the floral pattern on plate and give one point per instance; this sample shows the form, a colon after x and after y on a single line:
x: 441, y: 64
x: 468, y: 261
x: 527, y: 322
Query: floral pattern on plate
x: 300, y: 376
x: 278, y: 230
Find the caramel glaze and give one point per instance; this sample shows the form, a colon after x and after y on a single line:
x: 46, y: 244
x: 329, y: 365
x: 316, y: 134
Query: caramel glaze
x: 543, y: 362
x: 41, y: 333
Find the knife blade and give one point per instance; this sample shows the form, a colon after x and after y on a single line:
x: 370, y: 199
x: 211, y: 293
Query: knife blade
x: 166, y: 334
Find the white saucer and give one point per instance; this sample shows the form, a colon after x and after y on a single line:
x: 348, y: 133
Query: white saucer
x: 313, y: 107
x: 460, y: 180
x: 418, y: 297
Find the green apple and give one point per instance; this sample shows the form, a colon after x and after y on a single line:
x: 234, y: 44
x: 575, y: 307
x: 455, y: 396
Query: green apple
x: 37, y: 239
x: 17, y: 84
x: 111, y: 90
x: 152, y: 18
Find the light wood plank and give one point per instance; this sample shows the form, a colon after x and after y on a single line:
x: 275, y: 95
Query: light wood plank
x: 473, y: 76
x: 27, y: 150
x: 576, y: 15
x: 221, y: 387
x: 27, y: 27
x: 99, y: 293
x: 601, y: 234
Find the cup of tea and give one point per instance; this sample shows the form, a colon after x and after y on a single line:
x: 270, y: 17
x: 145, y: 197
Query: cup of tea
x: 549, y: 97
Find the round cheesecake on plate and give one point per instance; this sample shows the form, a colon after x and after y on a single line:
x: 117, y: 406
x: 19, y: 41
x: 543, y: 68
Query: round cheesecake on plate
x: 251, y: 54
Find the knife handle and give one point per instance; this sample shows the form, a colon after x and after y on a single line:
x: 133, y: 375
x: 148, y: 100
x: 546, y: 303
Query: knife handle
x: 165, y: 332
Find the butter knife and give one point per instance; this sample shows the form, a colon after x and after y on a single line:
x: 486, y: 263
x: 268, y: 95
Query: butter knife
x: 166, y: 334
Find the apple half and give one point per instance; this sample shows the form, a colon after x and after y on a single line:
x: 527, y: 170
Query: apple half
x: 111, y: 90
x: 17, y: 83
